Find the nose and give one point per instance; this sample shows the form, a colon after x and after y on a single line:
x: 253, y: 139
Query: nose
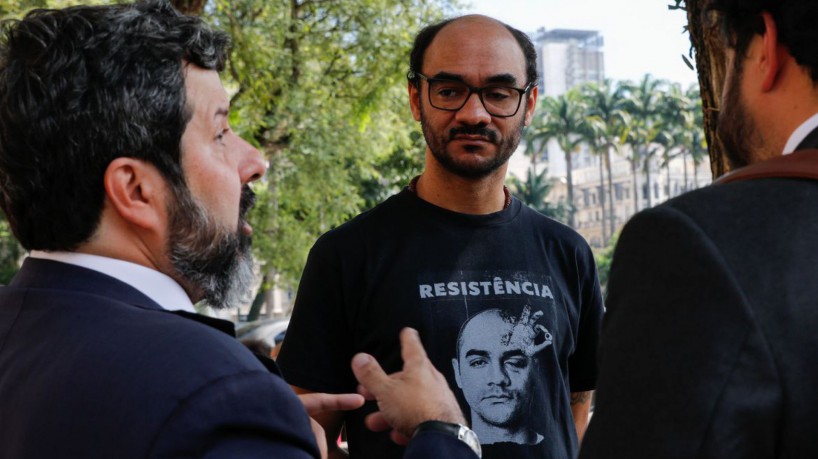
x: 253, y: 164
x: 497, y: 375
x: 473, y: 112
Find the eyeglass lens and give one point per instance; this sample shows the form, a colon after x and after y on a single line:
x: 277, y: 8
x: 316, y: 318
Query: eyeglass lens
x: 452, y: 95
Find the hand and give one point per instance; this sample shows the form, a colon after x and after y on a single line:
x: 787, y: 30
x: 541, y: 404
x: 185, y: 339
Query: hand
x: 418, y: 393
x: 525, y: 332
x: 316, y: 403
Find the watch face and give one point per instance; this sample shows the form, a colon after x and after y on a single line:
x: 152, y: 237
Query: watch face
x: 468, y: 436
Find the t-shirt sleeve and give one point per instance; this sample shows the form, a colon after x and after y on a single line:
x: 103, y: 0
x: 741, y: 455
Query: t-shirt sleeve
x: 582, y: 365
x: 316, y: 352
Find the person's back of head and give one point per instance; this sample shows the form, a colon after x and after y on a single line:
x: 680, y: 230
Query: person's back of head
x: 740, y: 20
x: 80, y: 87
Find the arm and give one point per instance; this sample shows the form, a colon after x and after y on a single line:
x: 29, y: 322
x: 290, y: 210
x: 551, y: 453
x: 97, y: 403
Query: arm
x: 581, y: 408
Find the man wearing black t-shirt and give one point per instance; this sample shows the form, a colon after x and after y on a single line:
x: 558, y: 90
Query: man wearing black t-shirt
x: 452, y: 246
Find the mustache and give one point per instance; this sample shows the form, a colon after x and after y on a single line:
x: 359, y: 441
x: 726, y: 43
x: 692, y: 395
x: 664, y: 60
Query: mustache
x: 248, y: 200
x: 473, y: 130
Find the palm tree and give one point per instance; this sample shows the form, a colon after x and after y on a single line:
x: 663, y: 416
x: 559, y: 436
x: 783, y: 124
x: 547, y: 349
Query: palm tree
x: 534, y: 190
x: 606, y: 117
x: 674, y: 117
x: 643, y: 103
x: 561, y: 121
x: 696, y: 144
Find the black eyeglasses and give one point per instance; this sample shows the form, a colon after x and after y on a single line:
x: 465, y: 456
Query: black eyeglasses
x: 451, y: 95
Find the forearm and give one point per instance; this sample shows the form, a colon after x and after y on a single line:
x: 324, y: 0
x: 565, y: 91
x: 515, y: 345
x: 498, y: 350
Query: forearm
x: 581, y: 409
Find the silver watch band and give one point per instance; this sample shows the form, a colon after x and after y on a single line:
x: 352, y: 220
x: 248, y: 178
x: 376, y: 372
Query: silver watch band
x: 458, y: 431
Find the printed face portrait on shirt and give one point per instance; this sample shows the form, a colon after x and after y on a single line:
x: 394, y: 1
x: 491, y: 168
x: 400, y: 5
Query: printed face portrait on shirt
x: 495, y: 363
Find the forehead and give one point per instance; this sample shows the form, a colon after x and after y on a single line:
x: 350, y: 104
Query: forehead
x: 485, y: 332
x: 476, y: 48
x: 204, y: 91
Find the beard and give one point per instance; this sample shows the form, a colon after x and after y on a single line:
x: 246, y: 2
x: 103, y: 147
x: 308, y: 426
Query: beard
x: 504, y: 148
x: 213, y: 262
x: 736, y: 128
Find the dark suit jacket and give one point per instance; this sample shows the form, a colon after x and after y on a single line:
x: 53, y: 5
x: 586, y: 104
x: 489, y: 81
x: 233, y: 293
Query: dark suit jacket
x: 709, y: 346
x: 91, y: 368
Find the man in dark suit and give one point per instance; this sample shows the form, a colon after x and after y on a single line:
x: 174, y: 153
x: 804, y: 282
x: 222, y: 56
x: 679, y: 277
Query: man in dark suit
x: 119, y: 172
x: 709, y: 347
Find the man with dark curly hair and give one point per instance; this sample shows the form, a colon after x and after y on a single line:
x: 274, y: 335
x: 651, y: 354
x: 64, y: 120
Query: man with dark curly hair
x: 709, y: 346
x: 121, y: 175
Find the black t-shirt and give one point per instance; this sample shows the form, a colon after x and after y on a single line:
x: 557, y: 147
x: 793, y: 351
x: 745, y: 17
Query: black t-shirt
x: 507, y: 304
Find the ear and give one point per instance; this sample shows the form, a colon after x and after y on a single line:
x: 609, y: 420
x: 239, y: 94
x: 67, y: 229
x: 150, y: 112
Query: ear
x: 531, y: 104
x: 456, y: 368
x: 136, y: 191
x: 414, y: 100
x: 770, y: 47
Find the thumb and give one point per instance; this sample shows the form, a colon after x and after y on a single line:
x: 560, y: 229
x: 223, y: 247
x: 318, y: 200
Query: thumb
x: 369, y: 373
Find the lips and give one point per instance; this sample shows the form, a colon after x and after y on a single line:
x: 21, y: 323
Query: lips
x: 472, y: 138
x: 248, y: 200
x: 246, y: 229
x: 498, y: 397
x: 473, y: 133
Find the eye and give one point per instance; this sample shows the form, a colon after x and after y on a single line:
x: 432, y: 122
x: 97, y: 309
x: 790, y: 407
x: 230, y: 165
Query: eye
x: 497, y: 93
x: 448, y: 91
x: 221, y: 134
x: 478, y: 362
x: 517, y: 363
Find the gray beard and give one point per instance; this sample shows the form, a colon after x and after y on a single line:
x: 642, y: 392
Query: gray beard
x: 212, y: 262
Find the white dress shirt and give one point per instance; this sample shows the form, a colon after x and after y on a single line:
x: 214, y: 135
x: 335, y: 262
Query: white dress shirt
x: 800, y: 133
x: 153, y: 284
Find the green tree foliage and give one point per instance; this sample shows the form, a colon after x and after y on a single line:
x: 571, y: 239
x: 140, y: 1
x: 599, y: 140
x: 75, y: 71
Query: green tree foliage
x: 606, y: 118
x: 320, y: 87
x: 534, y: 190
x: 603, y: 260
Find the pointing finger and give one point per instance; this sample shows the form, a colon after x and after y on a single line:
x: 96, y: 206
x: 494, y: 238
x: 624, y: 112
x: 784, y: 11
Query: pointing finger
x: 411, y: 348
x: 319, y: 403
x: 369, y: 373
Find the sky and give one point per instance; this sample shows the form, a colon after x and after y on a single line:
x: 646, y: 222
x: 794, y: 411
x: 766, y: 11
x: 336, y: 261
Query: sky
x: 641, y: 36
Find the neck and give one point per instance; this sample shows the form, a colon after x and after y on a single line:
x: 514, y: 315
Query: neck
x: 490, y: 433
x: 463, y: 195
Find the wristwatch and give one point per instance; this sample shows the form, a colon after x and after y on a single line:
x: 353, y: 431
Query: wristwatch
x: 458, y: 431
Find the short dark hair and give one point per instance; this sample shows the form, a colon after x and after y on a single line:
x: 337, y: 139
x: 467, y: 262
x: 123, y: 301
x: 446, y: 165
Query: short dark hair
x: 740, y: 20
x: 80, y: 87
x: 427, y: 34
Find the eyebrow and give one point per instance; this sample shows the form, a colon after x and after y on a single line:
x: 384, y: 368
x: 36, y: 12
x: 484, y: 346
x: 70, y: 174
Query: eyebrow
x: 476, y: 352
x: 222, y: 111
x: 504, y: 78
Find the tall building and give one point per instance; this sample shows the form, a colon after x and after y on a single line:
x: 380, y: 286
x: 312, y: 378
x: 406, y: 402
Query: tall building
x: 568, y: 58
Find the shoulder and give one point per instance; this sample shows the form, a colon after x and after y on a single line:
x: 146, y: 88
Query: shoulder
x: 553, y: 229
x: 369, y: 220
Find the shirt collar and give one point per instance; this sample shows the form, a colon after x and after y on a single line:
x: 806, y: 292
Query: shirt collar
x: 800, y: 133
x: 157, y: 286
